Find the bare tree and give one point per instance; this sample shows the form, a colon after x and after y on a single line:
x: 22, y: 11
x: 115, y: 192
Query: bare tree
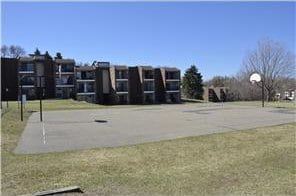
x: 4, y: 51
x: 272, y: 61
x: 16, y: 51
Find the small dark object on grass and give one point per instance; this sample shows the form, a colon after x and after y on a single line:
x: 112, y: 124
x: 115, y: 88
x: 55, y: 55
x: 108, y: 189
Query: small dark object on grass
x: 70, y: 189
x: 101, y: 121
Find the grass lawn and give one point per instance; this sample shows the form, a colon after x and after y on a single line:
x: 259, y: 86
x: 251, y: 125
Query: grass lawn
x: 273, y: 104
x: 258, y: 161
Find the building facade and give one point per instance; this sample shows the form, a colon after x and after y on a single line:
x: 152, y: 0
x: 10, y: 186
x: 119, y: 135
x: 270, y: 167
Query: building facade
x: 86, y: 83
x: 39, y: 75
x: 142, y: 85
x: 167, y: 85
x: 215, y: 94
x: 65, y: 78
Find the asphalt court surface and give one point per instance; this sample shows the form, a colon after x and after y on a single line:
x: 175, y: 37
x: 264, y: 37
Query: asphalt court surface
x: 86, y: 129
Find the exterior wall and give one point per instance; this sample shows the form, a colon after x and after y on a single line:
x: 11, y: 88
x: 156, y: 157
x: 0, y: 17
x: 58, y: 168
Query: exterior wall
x: 103, y: 83
x: 215, y: 94
x: 136, y: 86
x: 159, y: 85
x: 49, y: 91
x: 9, y: 79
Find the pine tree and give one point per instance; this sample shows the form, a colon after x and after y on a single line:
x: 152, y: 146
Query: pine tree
x: 37, y: 52
x: 58, y: 56
x: 192, y: 83
x: 47, y: 55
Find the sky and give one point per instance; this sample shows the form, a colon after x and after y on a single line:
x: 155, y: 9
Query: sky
x: 215, y: 36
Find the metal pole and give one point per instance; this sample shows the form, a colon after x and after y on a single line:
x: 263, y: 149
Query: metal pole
x: 40, y: 97
x: 6, y: 97
x: 21, y: 97
x: 262, y: 93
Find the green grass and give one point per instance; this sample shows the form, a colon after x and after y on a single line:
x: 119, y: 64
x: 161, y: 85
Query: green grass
x: 258, y: 161
x: 273, y: 104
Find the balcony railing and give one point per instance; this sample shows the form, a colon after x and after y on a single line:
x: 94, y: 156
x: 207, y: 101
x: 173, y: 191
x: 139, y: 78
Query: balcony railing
x: 27, y: 81
x: 121, y: 75
x: 85, y: 89
x: 65, y: 68
x: 172, y: 87
x: 172, y: 76
x: 121, y: 89
x: 83, y: 75
x: 88, y: 90
x: 148, y: 87
x: 148, y: 75
x: 86, y: 78
x: 64, y: 81
x: 26, y: 68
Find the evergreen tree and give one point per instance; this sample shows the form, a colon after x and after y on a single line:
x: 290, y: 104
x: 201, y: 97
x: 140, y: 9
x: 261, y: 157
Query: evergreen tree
x: 58, y: 56
x: 192, y: 83
x: 47, y: 55
x: 37, y: 52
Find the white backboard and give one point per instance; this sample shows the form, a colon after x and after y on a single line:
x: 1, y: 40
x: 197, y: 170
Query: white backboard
x: 255, y: 77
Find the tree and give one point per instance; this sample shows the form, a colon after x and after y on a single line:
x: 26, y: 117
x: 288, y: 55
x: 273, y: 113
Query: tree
x: 58, y: 56
x: 217, y: 81
x: 47, y: 55
x: 37, y: 52
x: 4, y: 51
x: 192, y: 83
x: 16, y: 51
x: 272, y: 61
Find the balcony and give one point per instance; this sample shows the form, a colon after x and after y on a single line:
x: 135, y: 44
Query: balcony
x: 27, y: 81
x: 121, y: 87
x: 65, y: 69
x: 173, y: 86
x: 26, y: 68
x: 64, y: 81
x: 85, y: 89
x: 148, y: 87
x: 121, y: 75
x: 148, y: 75
x: 85, y: 76
x: 172, y: 76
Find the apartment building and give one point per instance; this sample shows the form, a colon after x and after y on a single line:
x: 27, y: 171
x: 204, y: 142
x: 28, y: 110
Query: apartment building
x: 167, y: 85
x: 142, y: 85
x: 86, y: 83
x: 102, y: 83
x: 36, y: 73
x: 64, y: 78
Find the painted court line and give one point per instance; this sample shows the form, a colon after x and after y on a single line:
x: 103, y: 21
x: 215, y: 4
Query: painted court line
x: 43, y: 133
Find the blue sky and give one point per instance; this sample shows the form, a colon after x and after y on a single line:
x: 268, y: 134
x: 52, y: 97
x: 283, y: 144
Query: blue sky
x: 215, y: 36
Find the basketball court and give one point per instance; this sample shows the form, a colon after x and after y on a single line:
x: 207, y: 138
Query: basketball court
x: 86, y: 129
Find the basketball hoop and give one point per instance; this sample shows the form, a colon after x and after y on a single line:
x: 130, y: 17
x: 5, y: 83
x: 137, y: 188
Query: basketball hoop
x: 255, y: 77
